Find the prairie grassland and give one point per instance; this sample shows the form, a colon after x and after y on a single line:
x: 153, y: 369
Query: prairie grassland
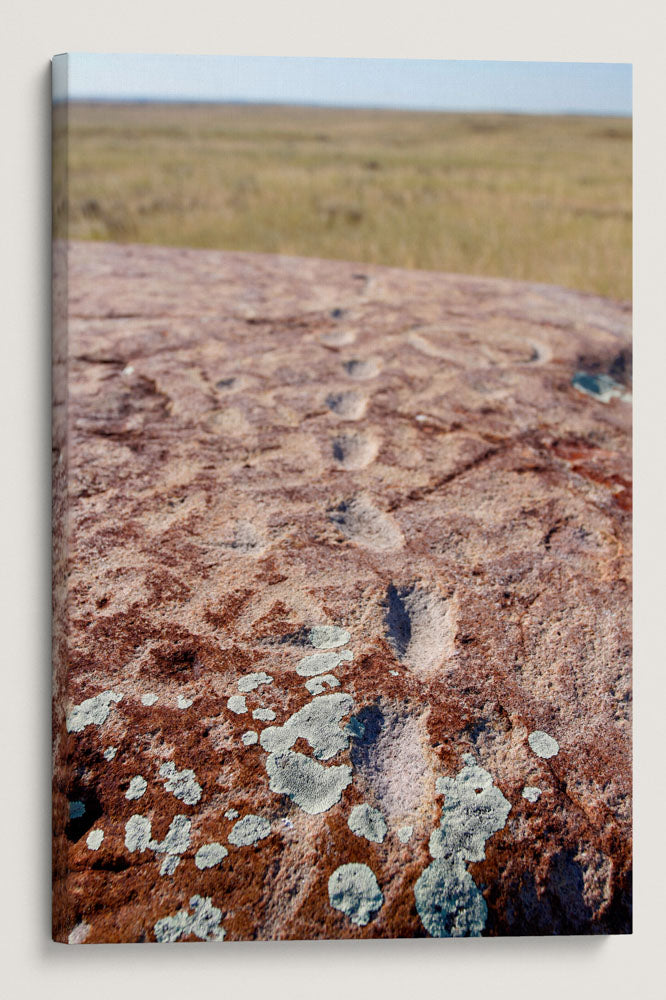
x: 545, y: 198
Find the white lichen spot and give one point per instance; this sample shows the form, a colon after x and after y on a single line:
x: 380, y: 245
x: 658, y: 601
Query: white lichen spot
x: 79, y: 933
x: 367, y: 822
x: 353, y: 889
x: 318, y: 684
x: 249, y: 830
x: 312, y: 786
x: 447, y: 898
x: 405, y: 834
x: 253, y: 681
x: 263, y: 714
x: 237, y: 704
x: 318, y: 722
x: 231, y: 814
x: 92, y: 711
x: 322, y: 663
x: 249, y: 738
x: 531, y: 793
x: 542, y: 744
x: 94, y: 840
x: 182, y: 784
x: 328, y: 636
x: 137, y: 833
x: 148, y: 699
x: 204, y: 922
x: 210, y: 855
x: 183, y: 702
x: 110, y: 753
x: 448, y: 901
x: 394, y: 673
x: 137, y: 787
x: 169, y: 864
x: 76, y: 809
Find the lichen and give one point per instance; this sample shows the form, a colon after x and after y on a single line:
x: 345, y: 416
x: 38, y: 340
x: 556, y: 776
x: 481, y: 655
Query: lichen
x: 237, y: 704
x: 94, y: 839
x: 474, y: 808
x: 328, y: 636
x: 263, y: 714
x: 137, y: 833
x: 231, y: 814
x: 249, y: 738
x: 353, y: 889
x: 76, y: 809
x: 183, y: 702
x: 210, y: 855
x: 137, y: 787
x: 542, y: 744
x: 405, y: 834
x: 92, y: 711
x: 148, y: 699
x: 531, y: 793
x: 182, y: 784
x: 318, y: 722
x: 312, y: 786
x: 367, y: 822
x: 110, y: 753
x: 448, y: 901
x: 322, y: 663
x: 249, y: 830
x: 601, y: 387
x: 252, y: 681
x: 203, y: 923
x: 317, y: 684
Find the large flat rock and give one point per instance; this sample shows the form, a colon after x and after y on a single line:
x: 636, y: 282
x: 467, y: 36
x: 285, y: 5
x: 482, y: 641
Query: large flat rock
x: 250, y: 447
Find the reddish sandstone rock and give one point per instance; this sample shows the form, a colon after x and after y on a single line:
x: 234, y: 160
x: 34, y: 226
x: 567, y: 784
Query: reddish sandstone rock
x: 248, y: 447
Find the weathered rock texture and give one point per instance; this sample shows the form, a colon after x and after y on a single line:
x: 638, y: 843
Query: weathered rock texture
x: 253, y: 446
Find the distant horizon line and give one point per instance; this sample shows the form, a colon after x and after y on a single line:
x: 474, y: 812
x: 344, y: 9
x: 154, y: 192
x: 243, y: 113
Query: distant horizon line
x: 245, y: 102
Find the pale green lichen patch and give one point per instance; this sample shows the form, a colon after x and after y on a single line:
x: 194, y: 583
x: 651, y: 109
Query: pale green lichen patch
x: 203, y: 922
x: 110, y: 753
x: 312, y: 786
x: 148, y: 699
x: 92, y: 711
x: 405, y: 834
x: 353, y: 889
x: 367, y: 822
x: 237, y: 704
x: 531, y: 793
x: 263, y: 714
x: 76, y: 809
x: 182, y: 784
x: 542, y: 744
x: 210, y: 855
x: 176, y: 842
x: 328, y: 636
x: 318, y: 684
x: 183, y: 702
x: 94, y: 840
x: 137, y: 787
x: 249, y: 738
x: 448, y: 901
x: 169, y: 864
x: 231, y: 814
x: 249, y: 830
x: 318, y: 722
x: 252, y: 681
x: 474, y: 808
x: 137, y: 833
x: 322, y: 663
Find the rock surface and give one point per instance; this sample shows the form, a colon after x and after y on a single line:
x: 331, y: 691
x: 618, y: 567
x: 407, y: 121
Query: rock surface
x: 251, y: 448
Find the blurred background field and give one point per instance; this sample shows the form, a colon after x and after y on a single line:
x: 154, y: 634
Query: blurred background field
x: 540, y: 198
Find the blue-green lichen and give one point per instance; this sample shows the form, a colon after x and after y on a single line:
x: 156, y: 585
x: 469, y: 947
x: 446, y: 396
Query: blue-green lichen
x: 353, y: 889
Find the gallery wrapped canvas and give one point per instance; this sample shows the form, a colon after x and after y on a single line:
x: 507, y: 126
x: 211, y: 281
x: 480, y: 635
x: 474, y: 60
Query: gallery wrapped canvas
x: 342, y: 515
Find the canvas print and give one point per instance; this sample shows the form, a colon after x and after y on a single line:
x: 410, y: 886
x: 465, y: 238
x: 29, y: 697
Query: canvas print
x: 342, y: 499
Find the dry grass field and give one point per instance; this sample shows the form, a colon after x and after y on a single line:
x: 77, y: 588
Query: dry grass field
x: 545, y: 198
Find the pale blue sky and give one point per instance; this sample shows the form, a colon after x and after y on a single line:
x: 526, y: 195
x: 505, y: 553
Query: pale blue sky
x: 598, y: 88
